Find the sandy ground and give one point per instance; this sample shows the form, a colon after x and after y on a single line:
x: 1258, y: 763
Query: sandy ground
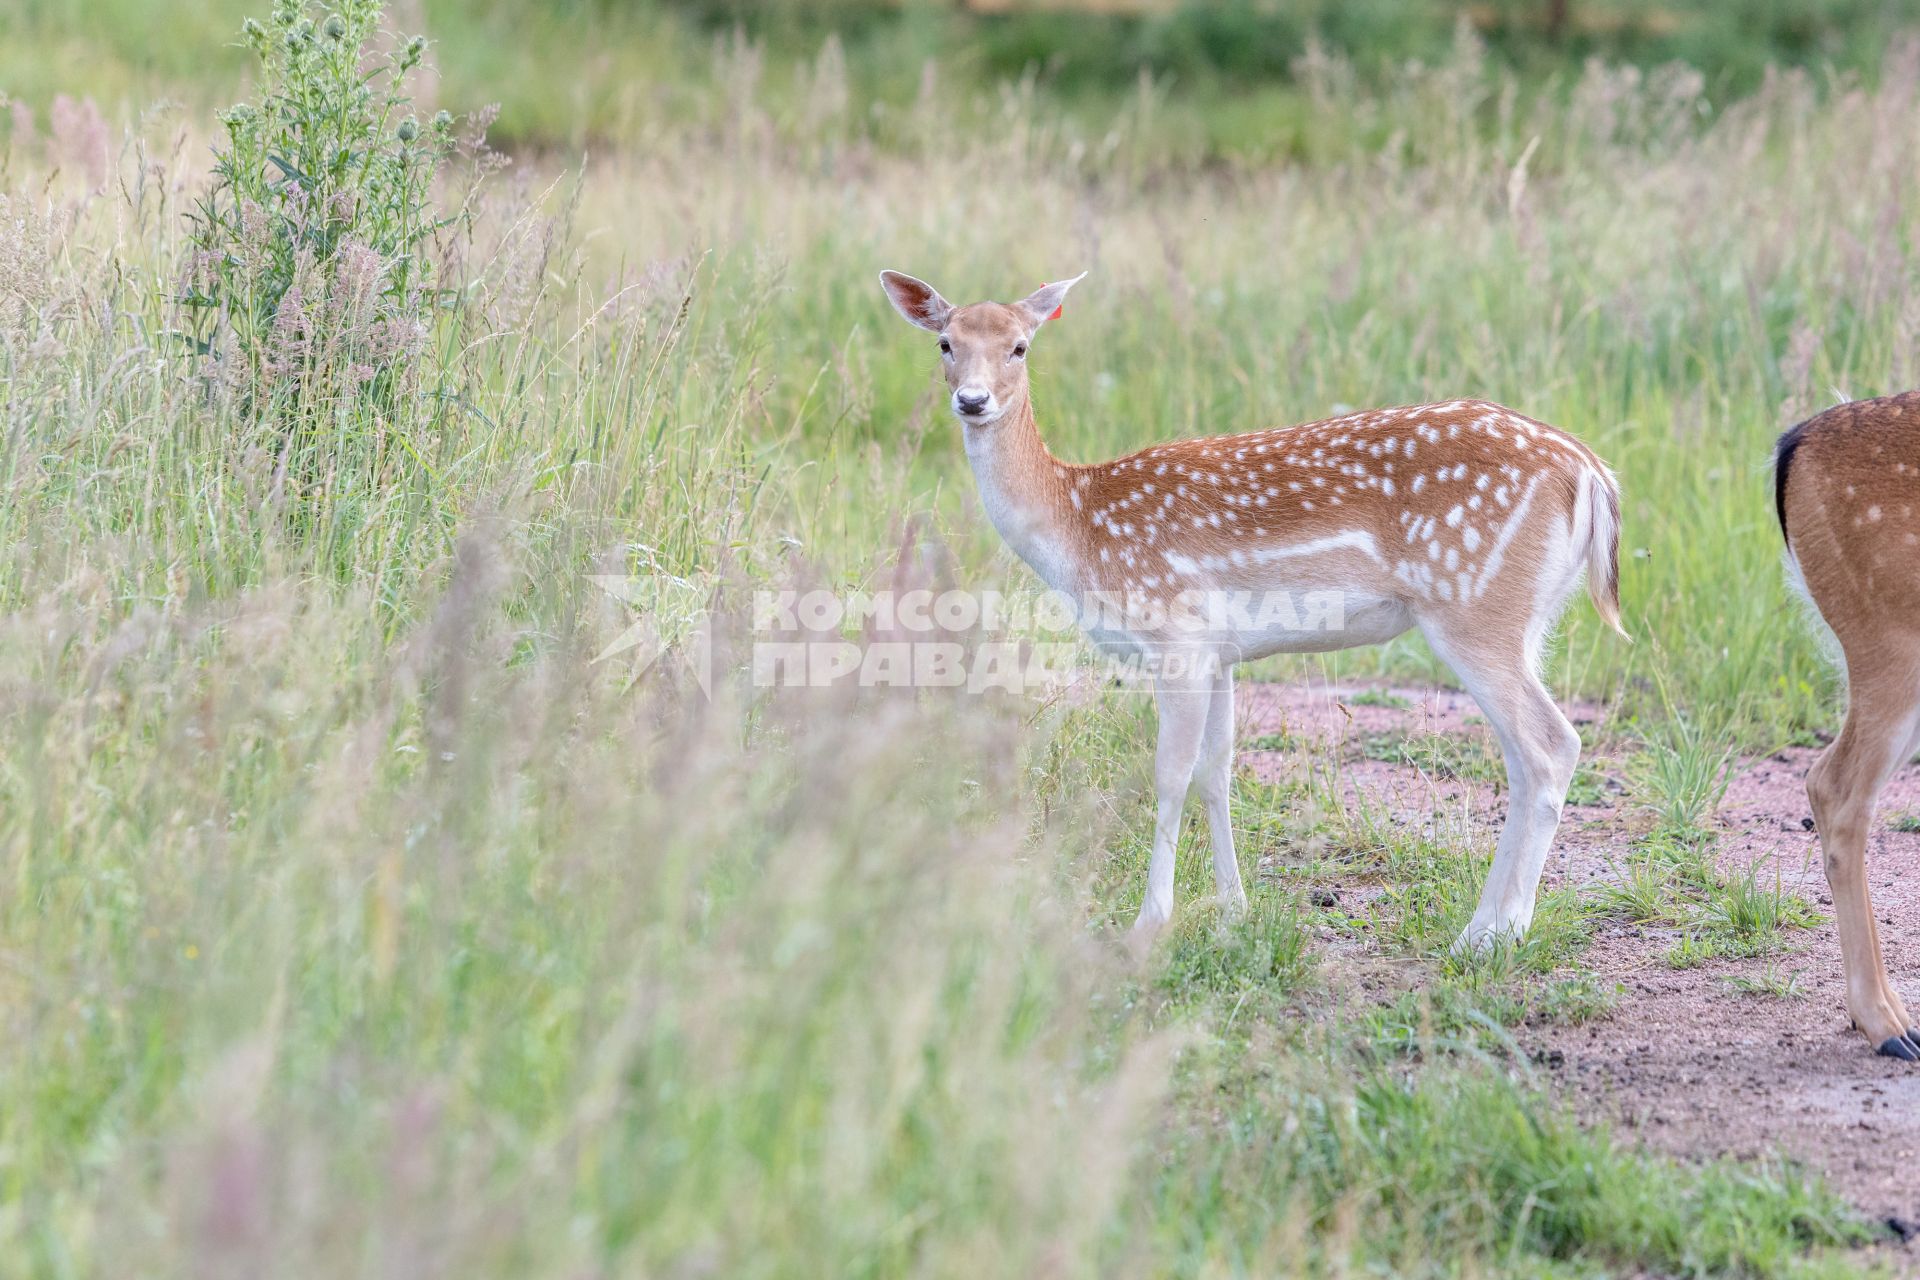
x: 1686, y: 1061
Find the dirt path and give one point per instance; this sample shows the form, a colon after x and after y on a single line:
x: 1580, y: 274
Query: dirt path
x: 1687, y: 1060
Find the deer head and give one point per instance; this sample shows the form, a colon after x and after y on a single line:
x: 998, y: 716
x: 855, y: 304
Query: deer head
x: 983, y: 347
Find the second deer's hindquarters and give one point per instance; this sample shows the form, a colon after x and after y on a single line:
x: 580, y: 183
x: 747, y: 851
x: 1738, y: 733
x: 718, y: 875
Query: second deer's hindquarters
x: 1847, y: 491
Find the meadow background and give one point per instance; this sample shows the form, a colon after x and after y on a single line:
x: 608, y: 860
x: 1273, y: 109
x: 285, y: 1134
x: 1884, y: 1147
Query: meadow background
x: 354, y: 919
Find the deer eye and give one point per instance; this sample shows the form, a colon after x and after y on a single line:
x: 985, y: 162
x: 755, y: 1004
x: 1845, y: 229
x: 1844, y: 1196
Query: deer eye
x: 1019, y: 351
x: 946, y: 348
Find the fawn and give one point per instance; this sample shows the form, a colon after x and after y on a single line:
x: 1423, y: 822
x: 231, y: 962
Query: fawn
x: 1846, y: 489
x: 1464, y: 519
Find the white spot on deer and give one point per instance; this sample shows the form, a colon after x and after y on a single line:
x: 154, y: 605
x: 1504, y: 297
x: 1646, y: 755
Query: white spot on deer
x: 1507, y: 530
x: 1420, y: 482
x: 1470, y: 538
x: 1455, y: 516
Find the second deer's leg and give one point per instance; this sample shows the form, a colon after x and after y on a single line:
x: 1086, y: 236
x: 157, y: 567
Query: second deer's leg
x: 1842, y: 787
x: 1183, y: 703
x: 1541, y: 750
x: 1213, y: 776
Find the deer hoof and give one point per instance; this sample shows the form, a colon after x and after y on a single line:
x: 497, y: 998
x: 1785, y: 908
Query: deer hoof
x: 1899, y: 1047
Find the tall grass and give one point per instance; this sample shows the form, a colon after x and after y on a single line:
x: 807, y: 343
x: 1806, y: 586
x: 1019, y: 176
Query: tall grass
x: 356, y: 918
x: 1232, y: 76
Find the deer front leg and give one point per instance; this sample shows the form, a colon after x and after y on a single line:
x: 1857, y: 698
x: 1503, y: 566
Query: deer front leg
x: 1183, y: 702
x: 1213, y: 775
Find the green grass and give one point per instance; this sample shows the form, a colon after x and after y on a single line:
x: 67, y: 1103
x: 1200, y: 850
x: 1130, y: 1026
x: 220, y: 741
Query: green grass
x: 1670, y: 878
x: 1770, y: 982
x: 1241, y: 82
x: 1470, y: 758
x: 1459, y: 1155
x: 343, y: 870
x: 1272, y: 742
x: 1263, y: 955
x: 1683, y: 773
x: 1475, y: 1015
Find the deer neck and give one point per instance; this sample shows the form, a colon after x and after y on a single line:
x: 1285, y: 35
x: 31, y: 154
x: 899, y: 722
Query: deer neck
x: 1026, y: 493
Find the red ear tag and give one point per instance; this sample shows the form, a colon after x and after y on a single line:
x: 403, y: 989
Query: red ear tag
x: 1057, y: 310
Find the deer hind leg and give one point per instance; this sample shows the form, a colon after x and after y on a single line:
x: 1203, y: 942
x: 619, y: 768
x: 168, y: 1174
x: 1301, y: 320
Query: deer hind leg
x: 1213, y: 776
x: 1843, y: 786
x: 1541, y: 750
x: 1184, y: 701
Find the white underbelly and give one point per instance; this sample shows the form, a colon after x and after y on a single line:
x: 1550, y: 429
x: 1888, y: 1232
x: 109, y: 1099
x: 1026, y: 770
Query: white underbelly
x: 1241, y: 630
x: 1359, y: 620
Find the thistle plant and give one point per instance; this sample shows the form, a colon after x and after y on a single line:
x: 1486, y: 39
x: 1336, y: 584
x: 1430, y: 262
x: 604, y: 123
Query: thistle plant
x: 310, y: 282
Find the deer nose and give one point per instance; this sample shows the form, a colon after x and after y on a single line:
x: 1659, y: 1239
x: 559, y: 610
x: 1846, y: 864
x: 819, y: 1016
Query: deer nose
x: 971, y: 401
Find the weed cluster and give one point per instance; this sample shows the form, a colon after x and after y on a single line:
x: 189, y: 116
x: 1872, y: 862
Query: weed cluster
x: 309, y: 286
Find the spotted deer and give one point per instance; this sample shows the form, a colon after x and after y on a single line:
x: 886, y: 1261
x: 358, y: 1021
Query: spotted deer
x: 1466, y: 520
x: 1847, y: 491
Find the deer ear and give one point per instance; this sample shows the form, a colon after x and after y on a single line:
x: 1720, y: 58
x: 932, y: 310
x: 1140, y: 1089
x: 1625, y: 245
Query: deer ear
x: 917, y: 300
x: 1044, y: 303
